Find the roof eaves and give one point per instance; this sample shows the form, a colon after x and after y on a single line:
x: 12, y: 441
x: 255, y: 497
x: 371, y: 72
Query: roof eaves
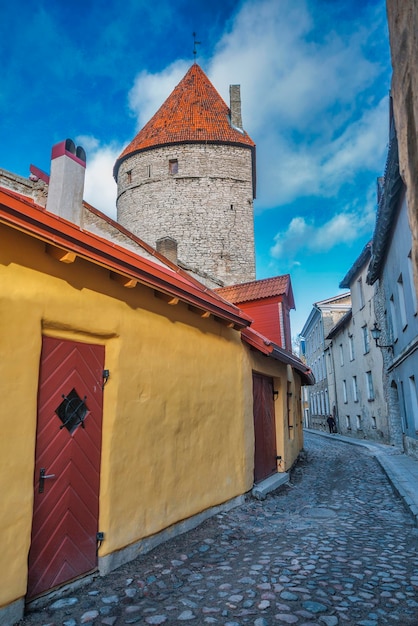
x: 24, y: 215
x: 386, y: 212
x: 357, y: 266
x: 270, y: 349
x: 331, y: 301
x: 340, y: 324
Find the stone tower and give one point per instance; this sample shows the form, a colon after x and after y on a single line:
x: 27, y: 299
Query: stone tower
x: 186, y: 183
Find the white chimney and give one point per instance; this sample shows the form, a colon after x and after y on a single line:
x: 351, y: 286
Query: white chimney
x: 66, y: 181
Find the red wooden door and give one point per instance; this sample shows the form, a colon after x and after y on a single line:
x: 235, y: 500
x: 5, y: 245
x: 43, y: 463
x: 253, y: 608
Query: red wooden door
x: 265, y: 462
x: 68, y: 448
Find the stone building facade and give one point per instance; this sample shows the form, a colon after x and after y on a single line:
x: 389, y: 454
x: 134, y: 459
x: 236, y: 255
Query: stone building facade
x: 323, y: 317
x: 205, y: 205
x: 355, y: 363
x: 189, y: 176
x: 403, y: 26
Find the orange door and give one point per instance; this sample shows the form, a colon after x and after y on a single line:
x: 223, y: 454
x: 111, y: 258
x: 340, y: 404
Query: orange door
x: 265, y: 461
x: 67, y: 464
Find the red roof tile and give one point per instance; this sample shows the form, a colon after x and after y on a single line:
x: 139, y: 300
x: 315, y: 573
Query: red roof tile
x: 257, y: 289
x: 194, y: 112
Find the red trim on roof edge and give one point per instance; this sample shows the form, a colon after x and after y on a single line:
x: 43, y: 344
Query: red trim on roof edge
x: 28, y: 217
x: 268, y: 348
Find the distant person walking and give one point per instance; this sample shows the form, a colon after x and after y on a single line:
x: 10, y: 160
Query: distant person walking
x: 331, y: 424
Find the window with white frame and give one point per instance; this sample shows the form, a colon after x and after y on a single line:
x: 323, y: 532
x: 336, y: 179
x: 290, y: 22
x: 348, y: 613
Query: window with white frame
x: 402, y: 305
x: 348, y: 422
x: 366, y: 340
x: 345, y: 391
x: 369, y: 386
x: 355, y: 389
x: 360, y: 293
x: 414, y: 400
x: 358, y: 422
x: 341, y: 354
x: 411, y: 283
x: 374, y: 425
x: 393, y: 317
x: 351, y: 346
x: 329, y: 363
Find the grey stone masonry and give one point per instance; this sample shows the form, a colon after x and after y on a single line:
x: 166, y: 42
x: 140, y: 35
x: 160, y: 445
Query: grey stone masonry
x: 200, y: 195
x: 35, y: 189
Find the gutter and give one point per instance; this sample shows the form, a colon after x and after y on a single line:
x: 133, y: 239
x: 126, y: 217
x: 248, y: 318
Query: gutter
x: 26, y: 216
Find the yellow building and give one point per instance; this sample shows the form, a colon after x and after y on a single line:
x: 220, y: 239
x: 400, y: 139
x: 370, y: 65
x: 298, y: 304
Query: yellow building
x: 136, y: 401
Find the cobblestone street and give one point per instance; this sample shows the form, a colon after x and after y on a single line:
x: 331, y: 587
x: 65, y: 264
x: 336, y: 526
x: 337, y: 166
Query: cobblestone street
x: 334, y: 547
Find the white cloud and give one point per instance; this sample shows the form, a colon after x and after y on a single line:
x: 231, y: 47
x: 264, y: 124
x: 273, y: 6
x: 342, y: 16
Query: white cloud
x: 100, y: 186
x: 151, y: 90
x: 343, y: 228
x: 300, y: 90
x: 308, y: 99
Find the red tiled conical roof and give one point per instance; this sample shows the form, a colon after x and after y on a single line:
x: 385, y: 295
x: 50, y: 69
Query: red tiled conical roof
x: 193, y: 112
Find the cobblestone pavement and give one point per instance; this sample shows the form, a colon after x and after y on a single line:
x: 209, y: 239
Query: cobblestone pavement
x: 335, y: 547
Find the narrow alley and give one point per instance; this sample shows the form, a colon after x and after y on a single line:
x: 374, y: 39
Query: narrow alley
x: 334, y: 547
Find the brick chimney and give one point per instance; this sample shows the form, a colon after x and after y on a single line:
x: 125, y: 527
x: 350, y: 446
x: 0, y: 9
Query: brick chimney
x: 66, y: 181
x: 168, y: 247
x: 235, y: 105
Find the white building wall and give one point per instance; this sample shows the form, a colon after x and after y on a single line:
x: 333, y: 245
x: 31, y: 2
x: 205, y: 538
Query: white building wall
x: 364, y: 417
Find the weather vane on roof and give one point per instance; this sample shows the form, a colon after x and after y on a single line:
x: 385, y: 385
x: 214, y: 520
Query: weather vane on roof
x: 195, y: 43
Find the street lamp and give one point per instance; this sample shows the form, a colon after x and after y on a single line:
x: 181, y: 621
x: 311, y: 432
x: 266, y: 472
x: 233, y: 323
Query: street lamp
x: 376, y: 332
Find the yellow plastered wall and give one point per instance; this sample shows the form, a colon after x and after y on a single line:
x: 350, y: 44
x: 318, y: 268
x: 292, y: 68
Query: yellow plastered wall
x: 177, y: 419
x: 289, y: 441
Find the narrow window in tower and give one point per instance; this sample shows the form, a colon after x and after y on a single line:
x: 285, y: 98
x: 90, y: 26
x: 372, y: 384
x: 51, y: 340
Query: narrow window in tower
x: 129, y: 177
x: 148, y: 171
x: 173, y: 166
x: 232, y: 207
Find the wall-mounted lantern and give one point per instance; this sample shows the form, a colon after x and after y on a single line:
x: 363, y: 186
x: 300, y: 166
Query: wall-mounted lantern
x: 376, y: 332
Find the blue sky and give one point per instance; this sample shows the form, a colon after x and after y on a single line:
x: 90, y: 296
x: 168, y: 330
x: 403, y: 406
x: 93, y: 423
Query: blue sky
x: 314, y: 75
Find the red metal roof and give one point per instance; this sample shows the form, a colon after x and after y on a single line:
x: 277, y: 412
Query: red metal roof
x: 20, y: 212
x: 258, y: 290
x: 260, y: 343
x: 194, y: 112
x: 24, y: 214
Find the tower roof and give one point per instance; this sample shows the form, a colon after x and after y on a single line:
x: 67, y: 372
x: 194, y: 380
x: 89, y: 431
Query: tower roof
x: 193, y: 113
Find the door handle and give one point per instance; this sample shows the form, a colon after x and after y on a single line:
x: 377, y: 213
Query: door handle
x: 42, y: 477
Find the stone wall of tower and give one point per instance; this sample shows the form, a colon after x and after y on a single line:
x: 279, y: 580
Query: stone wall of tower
x: 201, y: 195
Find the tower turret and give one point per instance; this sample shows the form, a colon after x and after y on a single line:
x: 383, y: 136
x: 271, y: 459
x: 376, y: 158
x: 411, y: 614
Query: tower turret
x: 189, y: 175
